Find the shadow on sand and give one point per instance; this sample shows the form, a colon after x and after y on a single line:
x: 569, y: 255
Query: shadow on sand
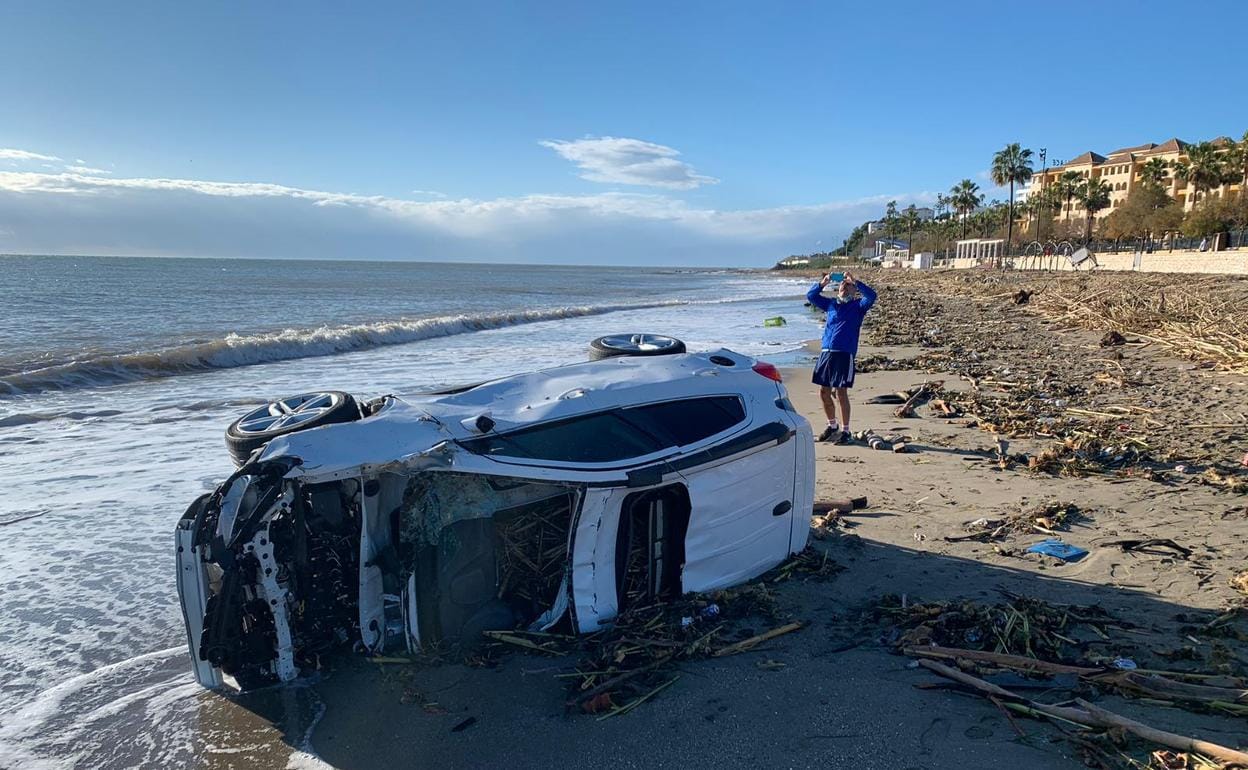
x: 816, y: 703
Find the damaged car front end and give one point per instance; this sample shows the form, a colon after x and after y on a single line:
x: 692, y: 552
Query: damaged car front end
x: 553, y: 499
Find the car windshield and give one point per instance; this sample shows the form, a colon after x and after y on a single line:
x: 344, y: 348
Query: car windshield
x: 618, y: 434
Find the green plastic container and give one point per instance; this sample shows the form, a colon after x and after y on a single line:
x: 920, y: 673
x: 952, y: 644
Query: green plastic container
x: 776, y: 321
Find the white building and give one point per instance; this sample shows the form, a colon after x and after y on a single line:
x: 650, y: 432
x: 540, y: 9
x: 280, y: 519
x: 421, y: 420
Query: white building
x: 885, y: 246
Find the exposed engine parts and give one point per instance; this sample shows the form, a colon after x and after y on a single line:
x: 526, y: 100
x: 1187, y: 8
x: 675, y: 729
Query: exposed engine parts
x: 283, y: 571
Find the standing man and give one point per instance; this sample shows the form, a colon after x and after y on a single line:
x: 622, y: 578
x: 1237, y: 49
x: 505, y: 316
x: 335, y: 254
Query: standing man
x: 834, y: 374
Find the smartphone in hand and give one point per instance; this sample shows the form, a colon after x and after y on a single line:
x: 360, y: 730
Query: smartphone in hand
x: 836, y: 277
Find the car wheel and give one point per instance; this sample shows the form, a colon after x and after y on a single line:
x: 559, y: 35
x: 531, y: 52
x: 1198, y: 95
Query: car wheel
x: 287, y: 415
x: 614, y: 345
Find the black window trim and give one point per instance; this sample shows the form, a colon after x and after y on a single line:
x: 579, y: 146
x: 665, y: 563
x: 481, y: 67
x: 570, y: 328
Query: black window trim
x: 620, y: 412
x: 773, y: 433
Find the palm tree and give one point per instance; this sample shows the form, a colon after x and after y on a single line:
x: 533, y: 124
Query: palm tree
x: 1066, y: 187
x: 1045, y: 204
x: 910, y: 217
x: 1094, y: 195
x: 1026, y: 210
x: 1205, y: 168
x: 965, y: 198
x: 1239, y: 156
x: 1155, y: 171
x: 1012, y: 165
x: 987, y: 222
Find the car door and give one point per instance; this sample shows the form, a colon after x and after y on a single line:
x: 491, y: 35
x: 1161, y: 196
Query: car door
x: 741, y: 518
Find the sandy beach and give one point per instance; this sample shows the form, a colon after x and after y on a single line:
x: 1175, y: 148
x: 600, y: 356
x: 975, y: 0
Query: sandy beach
x: 836, y: 693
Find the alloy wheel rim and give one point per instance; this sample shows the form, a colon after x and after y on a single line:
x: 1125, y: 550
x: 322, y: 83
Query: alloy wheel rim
x: 287, y: 413
x: 638, y: 343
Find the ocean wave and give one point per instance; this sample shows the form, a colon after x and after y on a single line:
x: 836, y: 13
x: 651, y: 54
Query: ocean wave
x: 29, y: 418
x: 237, y: 350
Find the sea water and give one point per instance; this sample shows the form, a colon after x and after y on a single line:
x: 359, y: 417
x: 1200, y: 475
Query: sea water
x: 118, y: 377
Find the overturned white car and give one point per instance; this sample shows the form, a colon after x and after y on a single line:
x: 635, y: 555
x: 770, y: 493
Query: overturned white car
x: 555, y: 498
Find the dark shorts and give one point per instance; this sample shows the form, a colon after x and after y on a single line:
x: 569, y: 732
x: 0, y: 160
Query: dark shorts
x: 834, y: 370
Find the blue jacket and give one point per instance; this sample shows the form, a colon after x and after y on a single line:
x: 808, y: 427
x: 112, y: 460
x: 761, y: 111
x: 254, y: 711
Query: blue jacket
x: 844, y: 318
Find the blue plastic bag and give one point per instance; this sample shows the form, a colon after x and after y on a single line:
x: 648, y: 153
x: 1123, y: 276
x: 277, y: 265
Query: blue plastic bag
x: 1058, y: 550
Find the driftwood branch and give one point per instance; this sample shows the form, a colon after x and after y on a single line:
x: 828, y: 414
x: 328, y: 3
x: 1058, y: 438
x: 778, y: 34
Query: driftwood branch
x: 1173, y: 740
x: 1090, y: 715
x: 925, y: 390
x: 746, y: 644
x: 615, y: 681
x: 1000, y: 659
x: 1166, y: 689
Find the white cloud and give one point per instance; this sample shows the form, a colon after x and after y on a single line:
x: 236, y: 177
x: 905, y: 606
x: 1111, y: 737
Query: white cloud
x: 11, y: 154
x: 87, y: 170
x: 618, y: 160
x: 81, y: 213
x: 430, y: 193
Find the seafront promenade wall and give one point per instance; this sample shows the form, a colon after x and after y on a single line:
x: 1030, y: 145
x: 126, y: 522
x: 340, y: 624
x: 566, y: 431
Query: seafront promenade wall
x: 1234, y: 262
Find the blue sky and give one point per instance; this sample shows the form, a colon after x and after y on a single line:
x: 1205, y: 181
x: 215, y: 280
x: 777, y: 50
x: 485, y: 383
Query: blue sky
x: 646, y: 133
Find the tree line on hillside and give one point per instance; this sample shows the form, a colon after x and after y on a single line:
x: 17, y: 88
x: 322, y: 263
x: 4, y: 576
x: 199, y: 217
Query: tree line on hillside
x: 1149, y: 212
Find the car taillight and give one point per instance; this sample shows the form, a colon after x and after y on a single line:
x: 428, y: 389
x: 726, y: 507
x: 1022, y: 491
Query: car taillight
x: 768, y: 370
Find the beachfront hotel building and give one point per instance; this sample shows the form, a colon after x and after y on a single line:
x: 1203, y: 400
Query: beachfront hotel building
x: 1121, y: 171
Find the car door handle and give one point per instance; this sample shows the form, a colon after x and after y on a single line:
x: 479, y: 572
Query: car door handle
x: 782, y: 508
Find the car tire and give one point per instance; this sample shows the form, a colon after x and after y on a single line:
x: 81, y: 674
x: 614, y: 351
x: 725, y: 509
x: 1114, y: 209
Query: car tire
x: 287, y: 415
x: 634, y: 345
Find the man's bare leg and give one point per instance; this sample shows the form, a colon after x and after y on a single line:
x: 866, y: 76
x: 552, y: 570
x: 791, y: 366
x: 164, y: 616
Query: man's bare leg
x: 832, y: 431
x: 842, y: 399
x: 829, y: 407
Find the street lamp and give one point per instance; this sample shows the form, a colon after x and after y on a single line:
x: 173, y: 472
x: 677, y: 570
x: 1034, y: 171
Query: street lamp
x: 1039, y: 212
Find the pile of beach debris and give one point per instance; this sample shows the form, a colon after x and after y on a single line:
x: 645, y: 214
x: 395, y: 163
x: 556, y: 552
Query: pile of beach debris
x: 533, y: 551
x: 1102, y: 734
x: 1199, y: 318
x: 1103, y: 411
x: 1084, y: 652
x: 1048, y: 518
x: 826, y: 516
x: 622, y: 666
x: 1020, y: 625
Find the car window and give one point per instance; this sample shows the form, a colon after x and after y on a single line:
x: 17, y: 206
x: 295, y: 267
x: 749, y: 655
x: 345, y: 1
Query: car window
x: 594, y: 438
x: 619, y: 434
x: 690, y: 420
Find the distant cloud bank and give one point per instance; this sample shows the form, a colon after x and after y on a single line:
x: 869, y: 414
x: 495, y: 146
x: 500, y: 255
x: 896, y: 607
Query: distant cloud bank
x: 81, y: 210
